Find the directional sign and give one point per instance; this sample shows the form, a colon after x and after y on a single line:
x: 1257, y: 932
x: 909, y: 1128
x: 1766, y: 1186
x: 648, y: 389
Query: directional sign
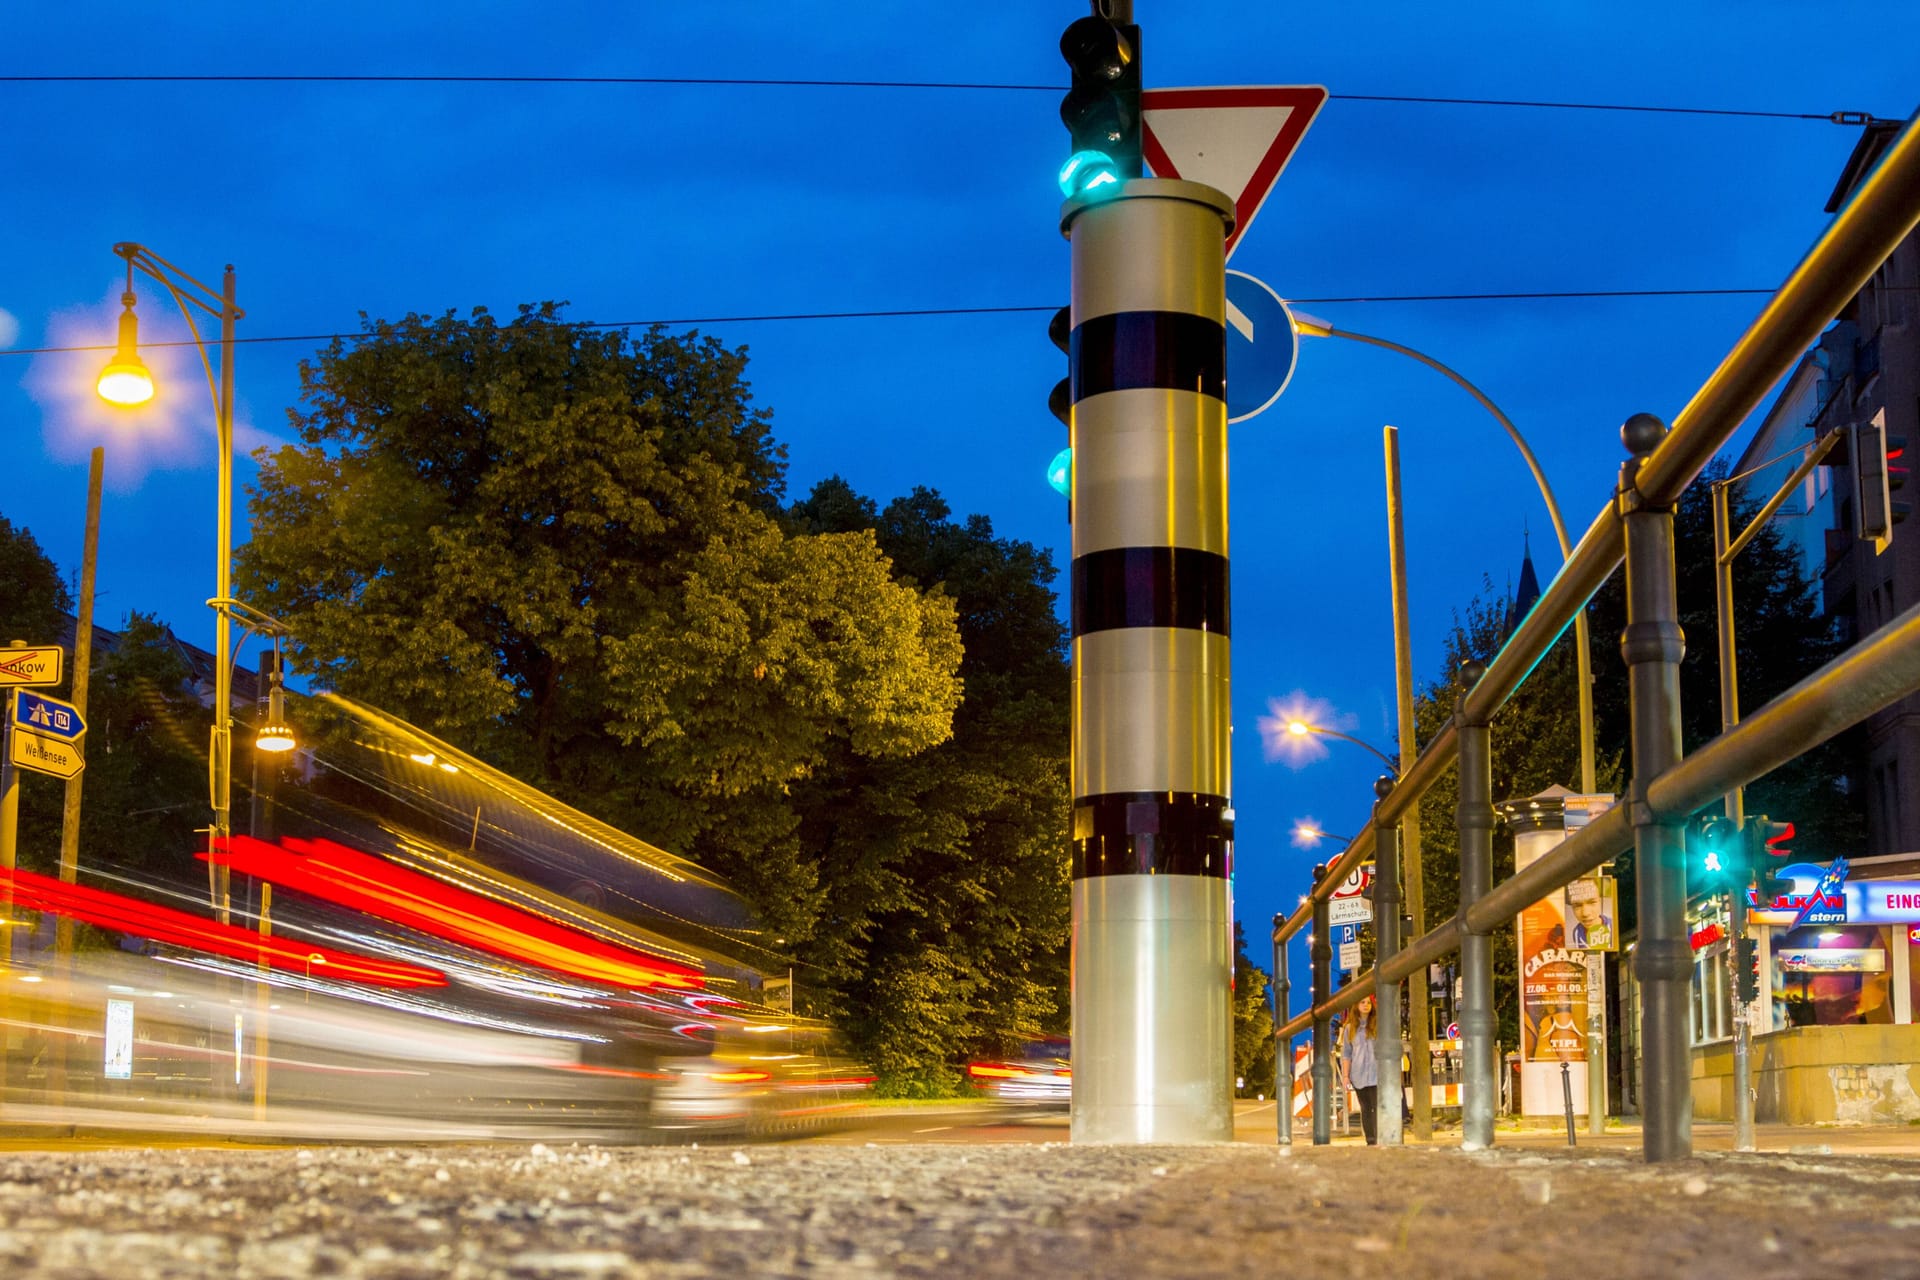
x: 47, y: 716
x: 42, y: 754
x: 1261, y: 346
x: 1234, y: 139
x: 35, y: 665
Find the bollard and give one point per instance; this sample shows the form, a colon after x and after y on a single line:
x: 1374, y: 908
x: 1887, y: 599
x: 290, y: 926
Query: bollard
x: 1653, y: 645
x: 1475, y: 818
x: 1566, y: 1098
x: 1320, y: 952
x: 1282, y: 1050
x: 1388, y: 1098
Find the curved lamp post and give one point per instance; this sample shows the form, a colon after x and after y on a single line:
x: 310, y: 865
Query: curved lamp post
x: 1311, y: 327
x: 1301, y: 728
x: 127, y: 383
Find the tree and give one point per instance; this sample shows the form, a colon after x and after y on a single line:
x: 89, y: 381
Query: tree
x: 564, y: 551
x: 34, y: 602
x: 1253, y: 1046
x: 951, y: 866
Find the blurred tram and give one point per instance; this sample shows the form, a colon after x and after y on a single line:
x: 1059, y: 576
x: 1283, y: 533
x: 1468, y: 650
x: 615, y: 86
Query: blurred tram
x: 414, y: 945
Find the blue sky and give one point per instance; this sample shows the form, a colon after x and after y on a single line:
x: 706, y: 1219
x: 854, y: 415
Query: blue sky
x: 649, y: 202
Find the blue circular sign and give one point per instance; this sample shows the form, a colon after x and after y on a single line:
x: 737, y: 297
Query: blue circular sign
x: 1261, y: 346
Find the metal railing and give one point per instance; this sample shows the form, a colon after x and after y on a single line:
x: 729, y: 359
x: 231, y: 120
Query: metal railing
x: 1666, y: 789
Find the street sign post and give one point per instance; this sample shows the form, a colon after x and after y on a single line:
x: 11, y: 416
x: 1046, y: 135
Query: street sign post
x: 1262, y: 346
x: 1235, y: 139
x: 40, y: 664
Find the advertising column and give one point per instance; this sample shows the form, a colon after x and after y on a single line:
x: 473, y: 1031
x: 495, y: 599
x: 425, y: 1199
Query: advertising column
x: 1556, y: 936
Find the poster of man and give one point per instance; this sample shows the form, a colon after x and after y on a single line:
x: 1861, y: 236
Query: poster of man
x: 1592, y: 907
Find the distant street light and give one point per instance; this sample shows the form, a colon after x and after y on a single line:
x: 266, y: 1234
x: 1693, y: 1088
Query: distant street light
x: 1301, y: 728
x: 1307, y: 834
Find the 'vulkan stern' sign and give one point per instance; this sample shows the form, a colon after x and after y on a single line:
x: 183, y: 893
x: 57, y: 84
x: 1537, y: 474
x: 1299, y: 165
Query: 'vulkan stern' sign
x: 1818, y: 896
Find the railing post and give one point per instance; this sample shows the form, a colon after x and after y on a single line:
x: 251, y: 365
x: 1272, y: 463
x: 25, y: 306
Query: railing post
x: 1320, y: 952
x: 1653, y: 645
x: 1478, y: 1077
x: 1388, y: 1098
x: 1282, y: 1050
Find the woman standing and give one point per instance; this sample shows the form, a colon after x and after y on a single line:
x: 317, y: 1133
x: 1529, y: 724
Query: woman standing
x: 1357, y: 1062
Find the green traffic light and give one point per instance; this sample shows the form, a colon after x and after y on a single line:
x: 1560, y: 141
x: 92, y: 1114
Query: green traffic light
x: 1088, y: 172
x: 1060, y: 472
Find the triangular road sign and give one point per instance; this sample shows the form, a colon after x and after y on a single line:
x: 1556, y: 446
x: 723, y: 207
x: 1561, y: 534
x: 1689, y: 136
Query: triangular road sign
x: 1234, y: 139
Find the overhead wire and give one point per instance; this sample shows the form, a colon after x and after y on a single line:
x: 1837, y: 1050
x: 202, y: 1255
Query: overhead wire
x: 747, y: 82
x: 918, y: 312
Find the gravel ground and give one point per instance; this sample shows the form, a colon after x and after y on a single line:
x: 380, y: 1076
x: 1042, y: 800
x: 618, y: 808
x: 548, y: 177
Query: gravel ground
x: 928, y: 1210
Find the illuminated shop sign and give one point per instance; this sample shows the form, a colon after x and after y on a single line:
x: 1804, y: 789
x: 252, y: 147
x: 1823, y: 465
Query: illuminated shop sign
x: 1833, y: 960
x: 1883, y: 902
x: 1819, y: 896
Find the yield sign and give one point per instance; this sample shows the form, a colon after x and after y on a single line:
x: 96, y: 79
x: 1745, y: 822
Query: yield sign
x: 1236, y: 140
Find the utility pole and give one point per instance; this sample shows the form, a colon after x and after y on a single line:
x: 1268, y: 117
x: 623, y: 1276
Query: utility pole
x: 82, y: 676
x: 1419, y: 1022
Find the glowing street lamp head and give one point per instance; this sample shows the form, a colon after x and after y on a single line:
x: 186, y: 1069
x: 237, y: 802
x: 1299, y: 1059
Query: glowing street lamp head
x: 275, y: 736
x: 1299, y: 728
x: 125, y: 381
x: 1307, y: 833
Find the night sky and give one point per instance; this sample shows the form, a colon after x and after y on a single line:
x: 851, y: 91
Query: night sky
x: 647, y: 202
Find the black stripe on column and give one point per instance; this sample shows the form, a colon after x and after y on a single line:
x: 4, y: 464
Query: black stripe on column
x: 1152, y: 833
x: 1149, y: 587
x: 1171, y: 350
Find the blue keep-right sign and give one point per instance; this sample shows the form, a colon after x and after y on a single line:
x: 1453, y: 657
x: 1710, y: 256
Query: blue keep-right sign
x: 1261, y: 346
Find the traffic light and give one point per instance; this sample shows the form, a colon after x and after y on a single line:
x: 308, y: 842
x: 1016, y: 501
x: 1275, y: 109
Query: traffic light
x: 1718, y: 860
x: 1102, y: 109
x: 1746, y: 970
x: 1061, y: 331
x: 1769, y: 838
x: 1879, y: 471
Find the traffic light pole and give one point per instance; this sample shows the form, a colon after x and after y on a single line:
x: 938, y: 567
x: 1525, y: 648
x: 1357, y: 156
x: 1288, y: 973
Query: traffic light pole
x: 1725, y: 547
x: 1152, y: 947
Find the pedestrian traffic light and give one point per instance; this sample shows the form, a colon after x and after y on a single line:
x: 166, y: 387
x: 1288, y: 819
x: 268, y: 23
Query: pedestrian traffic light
x: 1060, y: 472
x: 1879, y: 471
x: 1102, y: 109
x: 1746, y: 970
x: 1717, y: 860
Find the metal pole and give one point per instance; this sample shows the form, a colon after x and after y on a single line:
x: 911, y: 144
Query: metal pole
x: 1282, y: 1045
x: 1742, y: 1028
x: 1478, y: 1074
x: 1735, y: 807
x: 1152, y: 938
x: 70, y: 812
x: 222, y: 763
x: 1653, y: 646
x: 1566, y: 1097
x: 1418, y: 1020
x: 1596, y: 1043
x: 1320, y: 953
x: 262, y: 998
x: 1389, y: 1096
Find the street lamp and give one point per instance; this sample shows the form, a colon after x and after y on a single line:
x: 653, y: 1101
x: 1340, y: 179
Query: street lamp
x: 1312, y: 327
x: 1307, y: 834
x: 1301, y: 728
x: 127, y: 383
